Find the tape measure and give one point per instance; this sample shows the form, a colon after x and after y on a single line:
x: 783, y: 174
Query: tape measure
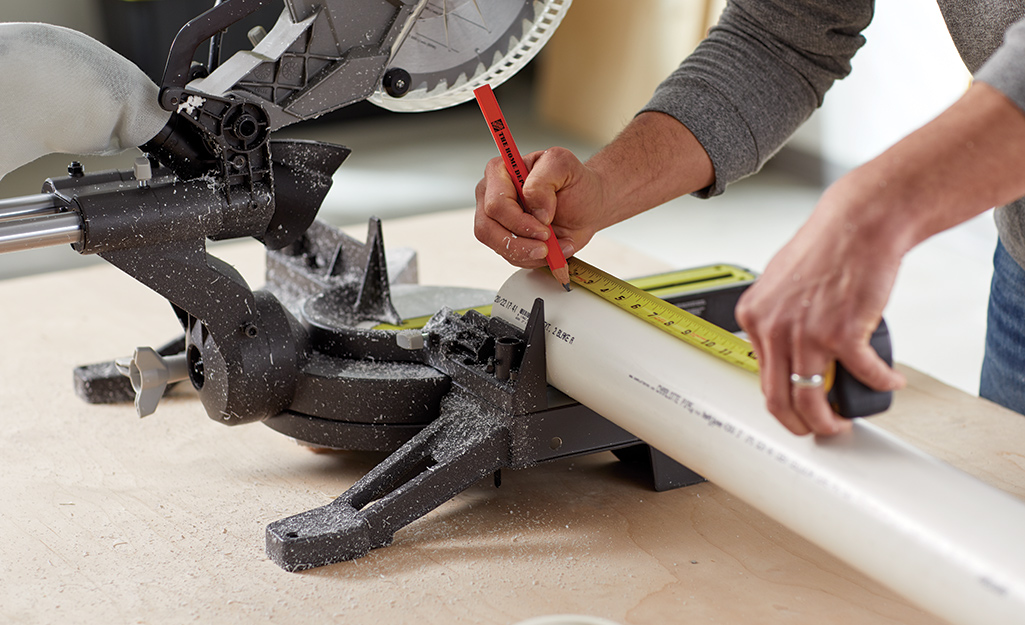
x: 678, y: 322
x: 670, y: 285
x: 848, y: 396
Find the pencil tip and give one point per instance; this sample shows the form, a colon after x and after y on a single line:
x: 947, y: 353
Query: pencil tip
x: 566, y: 286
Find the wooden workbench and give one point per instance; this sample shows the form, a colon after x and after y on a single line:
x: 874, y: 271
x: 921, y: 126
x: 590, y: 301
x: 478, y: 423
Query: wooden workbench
x: 108, y: 519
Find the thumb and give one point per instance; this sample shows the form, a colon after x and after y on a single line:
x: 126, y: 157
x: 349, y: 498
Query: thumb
x: 551, y: 171
x: 868, y: 367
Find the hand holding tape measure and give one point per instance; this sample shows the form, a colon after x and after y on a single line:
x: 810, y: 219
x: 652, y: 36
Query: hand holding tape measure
x: 846, y: 395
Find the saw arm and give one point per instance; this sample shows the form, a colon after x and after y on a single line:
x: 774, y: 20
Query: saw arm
x: 409, y: 55
x: 317, y: 58
x: 404, y: 55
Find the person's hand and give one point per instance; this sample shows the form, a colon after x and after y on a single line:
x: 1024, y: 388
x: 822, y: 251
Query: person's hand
x: 819, y: 301
x: 559, y: 190
x: 822, y: 296
x: 654, y: 159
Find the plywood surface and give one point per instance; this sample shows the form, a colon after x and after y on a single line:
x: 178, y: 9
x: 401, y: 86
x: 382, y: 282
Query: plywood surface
x: 105, y: 518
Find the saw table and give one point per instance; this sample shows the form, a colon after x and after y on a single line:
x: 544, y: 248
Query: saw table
x: 106, y: 518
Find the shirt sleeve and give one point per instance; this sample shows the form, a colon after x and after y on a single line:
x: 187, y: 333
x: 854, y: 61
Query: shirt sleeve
x: 1005, y: 69
x: 760, y: 73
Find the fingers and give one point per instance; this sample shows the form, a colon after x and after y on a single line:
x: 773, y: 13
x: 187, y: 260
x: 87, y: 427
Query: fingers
x: 801, y: 408
x: 793, y: 369
x: 808, y: 395
x: 793, y: 363
x: 793, y: 384
x: 501, y: 223
x: 865, y: 364
x: 550, y: 172
x: 775, y: 379
x: 557, y: 182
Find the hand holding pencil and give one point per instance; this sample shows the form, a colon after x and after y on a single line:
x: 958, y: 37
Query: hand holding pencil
x: 517, y: 169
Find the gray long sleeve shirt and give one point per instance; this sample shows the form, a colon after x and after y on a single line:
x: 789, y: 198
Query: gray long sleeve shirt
x: 767, y: 65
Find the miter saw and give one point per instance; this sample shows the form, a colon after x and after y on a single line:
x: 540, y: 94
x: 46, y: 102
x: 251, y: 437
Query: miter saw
x: 323, y: 353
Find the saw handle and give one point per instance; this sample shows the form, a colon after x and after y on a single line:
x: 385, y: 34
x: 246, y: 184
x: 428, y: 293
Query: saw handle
x: 178, y: 71
x: 848, y: 396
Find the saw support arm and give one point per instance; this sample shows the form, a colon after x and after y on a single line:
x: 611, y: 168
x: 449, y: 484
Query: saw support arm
x: 316, y: 59
x: 319, y: 57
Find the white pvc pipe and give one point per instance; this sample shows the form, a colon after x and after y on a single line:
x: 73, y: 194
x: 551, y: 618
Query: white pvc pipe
x: 943, y: 539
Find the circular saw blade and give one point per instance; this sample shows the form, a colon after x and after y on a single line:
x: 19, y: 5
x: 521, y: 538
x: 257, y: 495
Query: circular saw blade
x: 456, y: 46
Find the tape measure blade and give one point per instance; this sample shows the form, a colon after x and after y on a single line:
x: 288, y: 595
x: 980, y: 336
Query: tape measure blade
x: 675, y: 321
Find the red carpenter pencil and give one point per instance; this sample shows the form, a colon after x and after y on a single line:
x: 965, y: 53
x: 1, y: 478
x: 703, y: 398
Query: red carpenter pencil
x: 517, y: 169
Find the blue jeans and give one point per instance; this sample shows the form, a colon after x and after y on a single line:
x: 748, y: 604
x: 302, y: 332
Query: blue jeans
x: 1003, y: 367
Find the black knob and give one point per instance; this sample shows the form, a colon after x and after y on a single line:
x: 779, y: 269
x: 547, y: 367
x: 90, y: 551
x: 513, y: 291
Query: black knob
x: 198, y: 70
x: 397, y: 82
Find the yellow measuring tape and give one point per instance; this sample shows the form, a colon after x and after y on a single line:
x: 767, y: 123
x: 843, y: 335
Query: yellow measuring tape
x: 663, y: 285
x: 678, y: 322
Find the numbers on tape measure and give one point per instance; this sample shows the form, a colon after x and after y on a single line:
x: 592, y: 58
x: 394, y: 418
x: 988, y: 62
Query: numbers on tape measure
x: 686, y: 326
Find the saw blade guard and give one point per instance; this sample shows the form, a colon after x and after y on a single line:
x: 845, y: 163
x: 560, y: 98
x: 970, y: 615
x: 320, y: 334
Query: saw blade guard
x: 459, y: 45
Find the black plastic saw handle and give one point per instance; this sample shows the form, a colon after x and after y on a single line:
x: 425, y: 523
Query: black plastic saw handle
x: 177, y: 73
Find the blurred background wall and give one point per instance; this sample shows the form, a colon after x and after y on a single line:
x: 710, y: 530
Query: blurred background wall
x: 607, y: 57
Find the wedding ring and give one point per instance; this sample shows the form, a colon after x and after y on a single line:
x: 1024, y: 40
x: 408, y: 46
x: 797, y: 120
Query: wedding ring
x: 811, y: 381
